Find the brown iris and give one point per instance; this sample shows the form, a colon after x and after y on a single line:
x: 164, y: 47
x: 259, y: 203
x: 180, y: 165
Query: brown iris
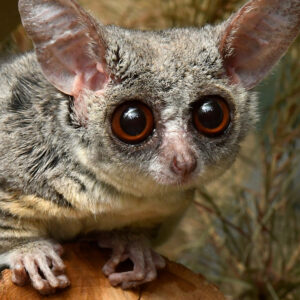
x: 211, y: 115
x: 132, y: 122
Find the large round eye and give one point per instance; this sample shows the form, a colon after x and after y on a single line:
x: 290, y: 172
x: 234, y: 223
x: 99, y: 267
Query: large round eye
x: 132, y: 122
x: 211, y: 115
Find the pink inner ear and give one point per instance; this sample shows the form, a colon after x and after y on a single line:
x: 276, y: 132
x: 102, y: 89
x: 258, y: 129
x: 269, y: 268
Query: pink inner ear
x: 256, y: 37
x: 63, y: 34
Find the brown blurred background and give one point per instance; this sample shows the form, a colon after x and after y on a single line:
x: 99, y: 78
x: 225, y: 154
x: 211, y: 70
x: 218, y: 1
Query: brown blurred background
x: 9, y: 17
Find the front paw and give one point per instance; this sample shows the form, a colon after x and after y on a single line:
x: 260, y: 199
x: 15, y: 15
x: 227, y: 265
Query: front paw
x: 40, y: 263
x: 145, y: 261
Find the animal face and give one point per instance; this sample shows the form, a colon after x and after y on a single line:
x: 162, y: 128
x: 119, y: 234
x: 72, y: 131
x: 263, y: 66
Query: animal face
x: 164, y: 108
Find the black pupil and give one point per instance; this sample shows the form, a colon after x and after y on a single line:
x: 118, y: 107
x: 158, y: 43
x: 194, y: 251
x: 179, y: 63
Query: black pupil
x: 133, y: 121
x: 210, y: 114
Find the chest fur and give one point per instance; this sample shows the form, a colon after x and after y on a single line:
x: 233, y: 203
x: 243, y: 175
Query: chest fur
x: 100, y: 208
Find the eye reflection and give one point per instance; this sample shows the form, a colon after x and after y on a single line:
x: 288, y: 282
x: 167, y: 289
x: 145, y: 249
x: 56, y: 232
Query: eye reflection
x: 133, y: 121
x: 131, y: 113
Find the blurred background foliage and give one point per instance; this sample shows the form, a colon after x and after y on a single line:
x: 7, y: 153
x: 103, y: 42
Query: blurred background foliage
x: 243, y: 230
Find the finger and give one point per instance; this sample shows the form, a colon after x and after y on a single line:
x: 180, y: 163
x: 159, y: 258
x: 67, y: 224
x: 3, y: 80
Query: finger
x: 158, y: 260
x: 38, y: 283
x: 63, y: 281
x: 48, y: 274
x: 19, y: 275
x: 124, y: 278
x: 138, y: 273
x: 115, y: 259
x: 137, y: 257
x: 151, y: 272
x: 58, y: 249
x: 57, y: 263
x: 152, y: 260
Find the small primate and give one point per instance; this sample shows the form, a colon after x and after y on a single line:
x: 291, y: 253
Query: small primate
x: 105, y: 132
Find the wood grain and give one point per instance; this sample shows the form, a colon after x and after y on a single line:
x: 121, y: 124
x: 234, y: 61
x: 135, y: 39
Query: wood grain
x: 84, y: 262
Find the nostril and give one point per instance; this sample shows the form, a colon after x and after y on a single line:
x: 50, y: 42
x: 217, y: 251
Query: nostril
x: 182, y: 165
x: 176, y: 165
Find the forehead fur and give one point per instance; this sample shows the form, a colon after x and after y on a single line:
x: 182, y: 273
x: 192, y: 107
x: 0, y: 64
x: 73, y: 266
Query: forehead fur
x: 168, y: 57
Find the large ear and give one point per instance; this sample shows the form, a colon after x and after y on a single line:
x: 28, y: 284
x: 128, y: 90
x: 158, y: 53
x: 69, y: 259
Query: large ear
x: 256, y: 37
x: 67, y: 43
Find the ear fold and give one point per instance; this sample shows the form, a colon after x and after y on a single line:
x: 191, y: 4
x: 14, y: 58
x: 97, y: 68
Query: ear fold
x: 67, y: 43
x: 256, y: 37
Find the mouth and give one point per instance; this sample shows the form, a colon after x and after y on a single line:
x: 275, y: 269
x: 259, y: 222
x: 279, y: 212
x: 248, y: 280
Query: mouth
x: 179, y: 181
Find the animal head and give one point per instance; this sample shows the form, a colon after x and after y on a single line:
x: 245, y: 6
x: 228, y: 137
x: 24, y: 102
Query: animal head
x: 167, y: 107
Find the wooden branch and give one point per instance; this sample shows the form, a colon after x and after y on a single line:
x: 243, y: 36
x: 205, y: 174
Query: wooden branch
x: 84, y: 262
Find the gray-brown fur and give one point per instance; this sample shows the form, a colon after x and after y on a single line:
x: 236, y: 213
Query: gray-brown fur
x: 63, y: 174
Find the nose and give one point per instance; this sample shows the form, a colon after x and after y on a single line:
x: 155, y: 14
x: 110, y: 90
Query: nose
x: 183, y: 164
